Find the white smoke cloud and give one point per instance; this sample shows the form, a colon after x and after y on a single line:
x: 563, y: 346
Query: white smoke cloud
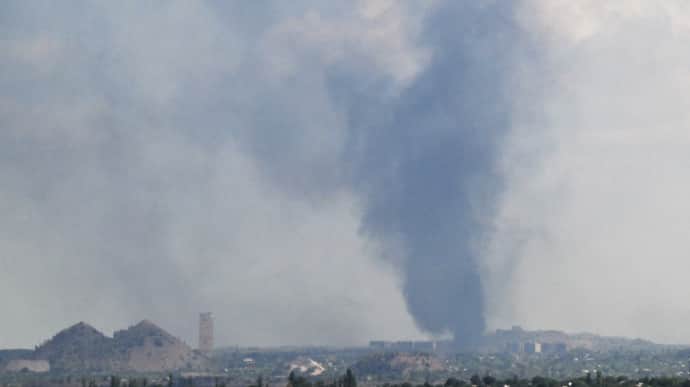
x: 596, y: 211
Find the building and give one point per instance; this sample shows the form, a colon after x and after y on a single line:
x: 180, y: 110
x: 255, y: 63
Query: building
x: 513, y: 347
x: 532, y: 347
x: 403, y: 346
x: 424, y: 346
x: 557, y: 347
x: 206, y: 332
x: 25, y: 365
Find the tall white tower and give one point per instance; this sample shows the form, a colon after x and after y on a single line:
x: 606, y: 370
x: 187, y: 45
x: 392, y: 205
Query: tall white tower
x: 206, y: 332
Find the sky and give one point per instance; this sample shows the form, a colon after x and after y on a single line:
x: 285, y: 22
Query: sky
x: 334, y: 172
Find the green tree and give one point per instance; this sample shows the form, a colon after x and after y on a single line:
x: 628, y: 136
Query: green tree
x: 454, y: 382
x: 349, y: 380
x: 476, y: 380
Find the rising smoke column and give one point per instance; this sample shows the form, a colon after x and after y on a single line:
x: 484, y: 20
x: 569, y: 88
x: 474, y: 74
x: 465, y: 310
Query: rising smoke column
x: 428, y: 172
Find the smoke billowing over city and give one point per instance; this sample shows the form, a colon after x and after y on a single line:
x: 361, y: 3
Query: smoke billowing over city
x: 335, y: 172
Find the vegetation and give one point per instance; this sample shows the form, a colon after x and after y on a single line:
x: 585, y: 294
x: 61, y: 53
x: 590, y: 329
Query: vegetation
x: 598, y: 380
x: 270, y: 368
x: 347, y: 380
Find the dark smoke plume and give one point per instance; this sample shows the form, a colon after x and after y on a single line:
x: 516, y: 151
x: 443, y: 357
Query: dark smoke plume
x: 428, y: 174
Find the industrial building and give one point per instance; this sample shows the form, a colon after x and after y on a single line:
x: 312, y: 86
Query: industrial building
x: 206, y: 332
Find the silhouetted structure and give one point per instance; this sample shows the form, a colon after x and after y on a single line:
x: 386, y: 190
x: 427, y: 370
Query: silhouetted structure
x: 206, y: 332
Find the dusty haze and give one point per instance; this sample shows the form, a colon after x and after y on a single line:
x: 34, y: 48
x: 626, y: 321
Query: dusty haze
x: 331, y: 173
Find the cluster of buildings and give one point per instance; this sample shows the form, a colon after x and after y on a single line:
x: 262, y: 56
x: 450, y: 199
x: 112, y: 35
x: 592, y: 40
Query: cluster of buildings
x: 26, y: 365
x: 536, y: 347
x: 516, y: 340
x: 404, y: 346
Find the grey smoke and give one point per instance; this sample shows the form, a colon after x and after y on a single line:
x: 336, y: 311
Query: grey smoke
x: 137, y: 138
x: 137, y: 179
x: 423, y: 162
x: 596, y: 174
x: 428, y: 172
x: 334, y: 172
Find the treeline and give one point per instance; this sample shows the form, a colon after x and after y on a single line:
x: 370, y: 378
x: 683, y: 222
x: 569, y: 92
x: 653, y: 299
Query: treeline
x: 589, y: 380
x: 69, y: 381
x: 347, y: 380
x: 116, y: 381
x: 294, y: 380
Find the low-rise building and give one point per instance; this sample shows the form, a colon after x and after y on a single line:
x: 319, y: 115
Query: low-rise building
x: 20, y: 365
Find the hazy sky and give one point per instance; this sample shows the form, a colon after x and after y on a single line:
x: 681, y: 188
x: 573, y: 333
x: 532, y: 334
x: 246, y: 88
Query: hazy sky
x: 333, y: 172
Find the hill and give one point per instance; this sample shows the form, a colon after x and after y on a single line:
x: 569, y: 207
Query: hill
x: 78, y: 347
x: 148, y: 348
x: 502, y: 339
x: 143, y: 347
